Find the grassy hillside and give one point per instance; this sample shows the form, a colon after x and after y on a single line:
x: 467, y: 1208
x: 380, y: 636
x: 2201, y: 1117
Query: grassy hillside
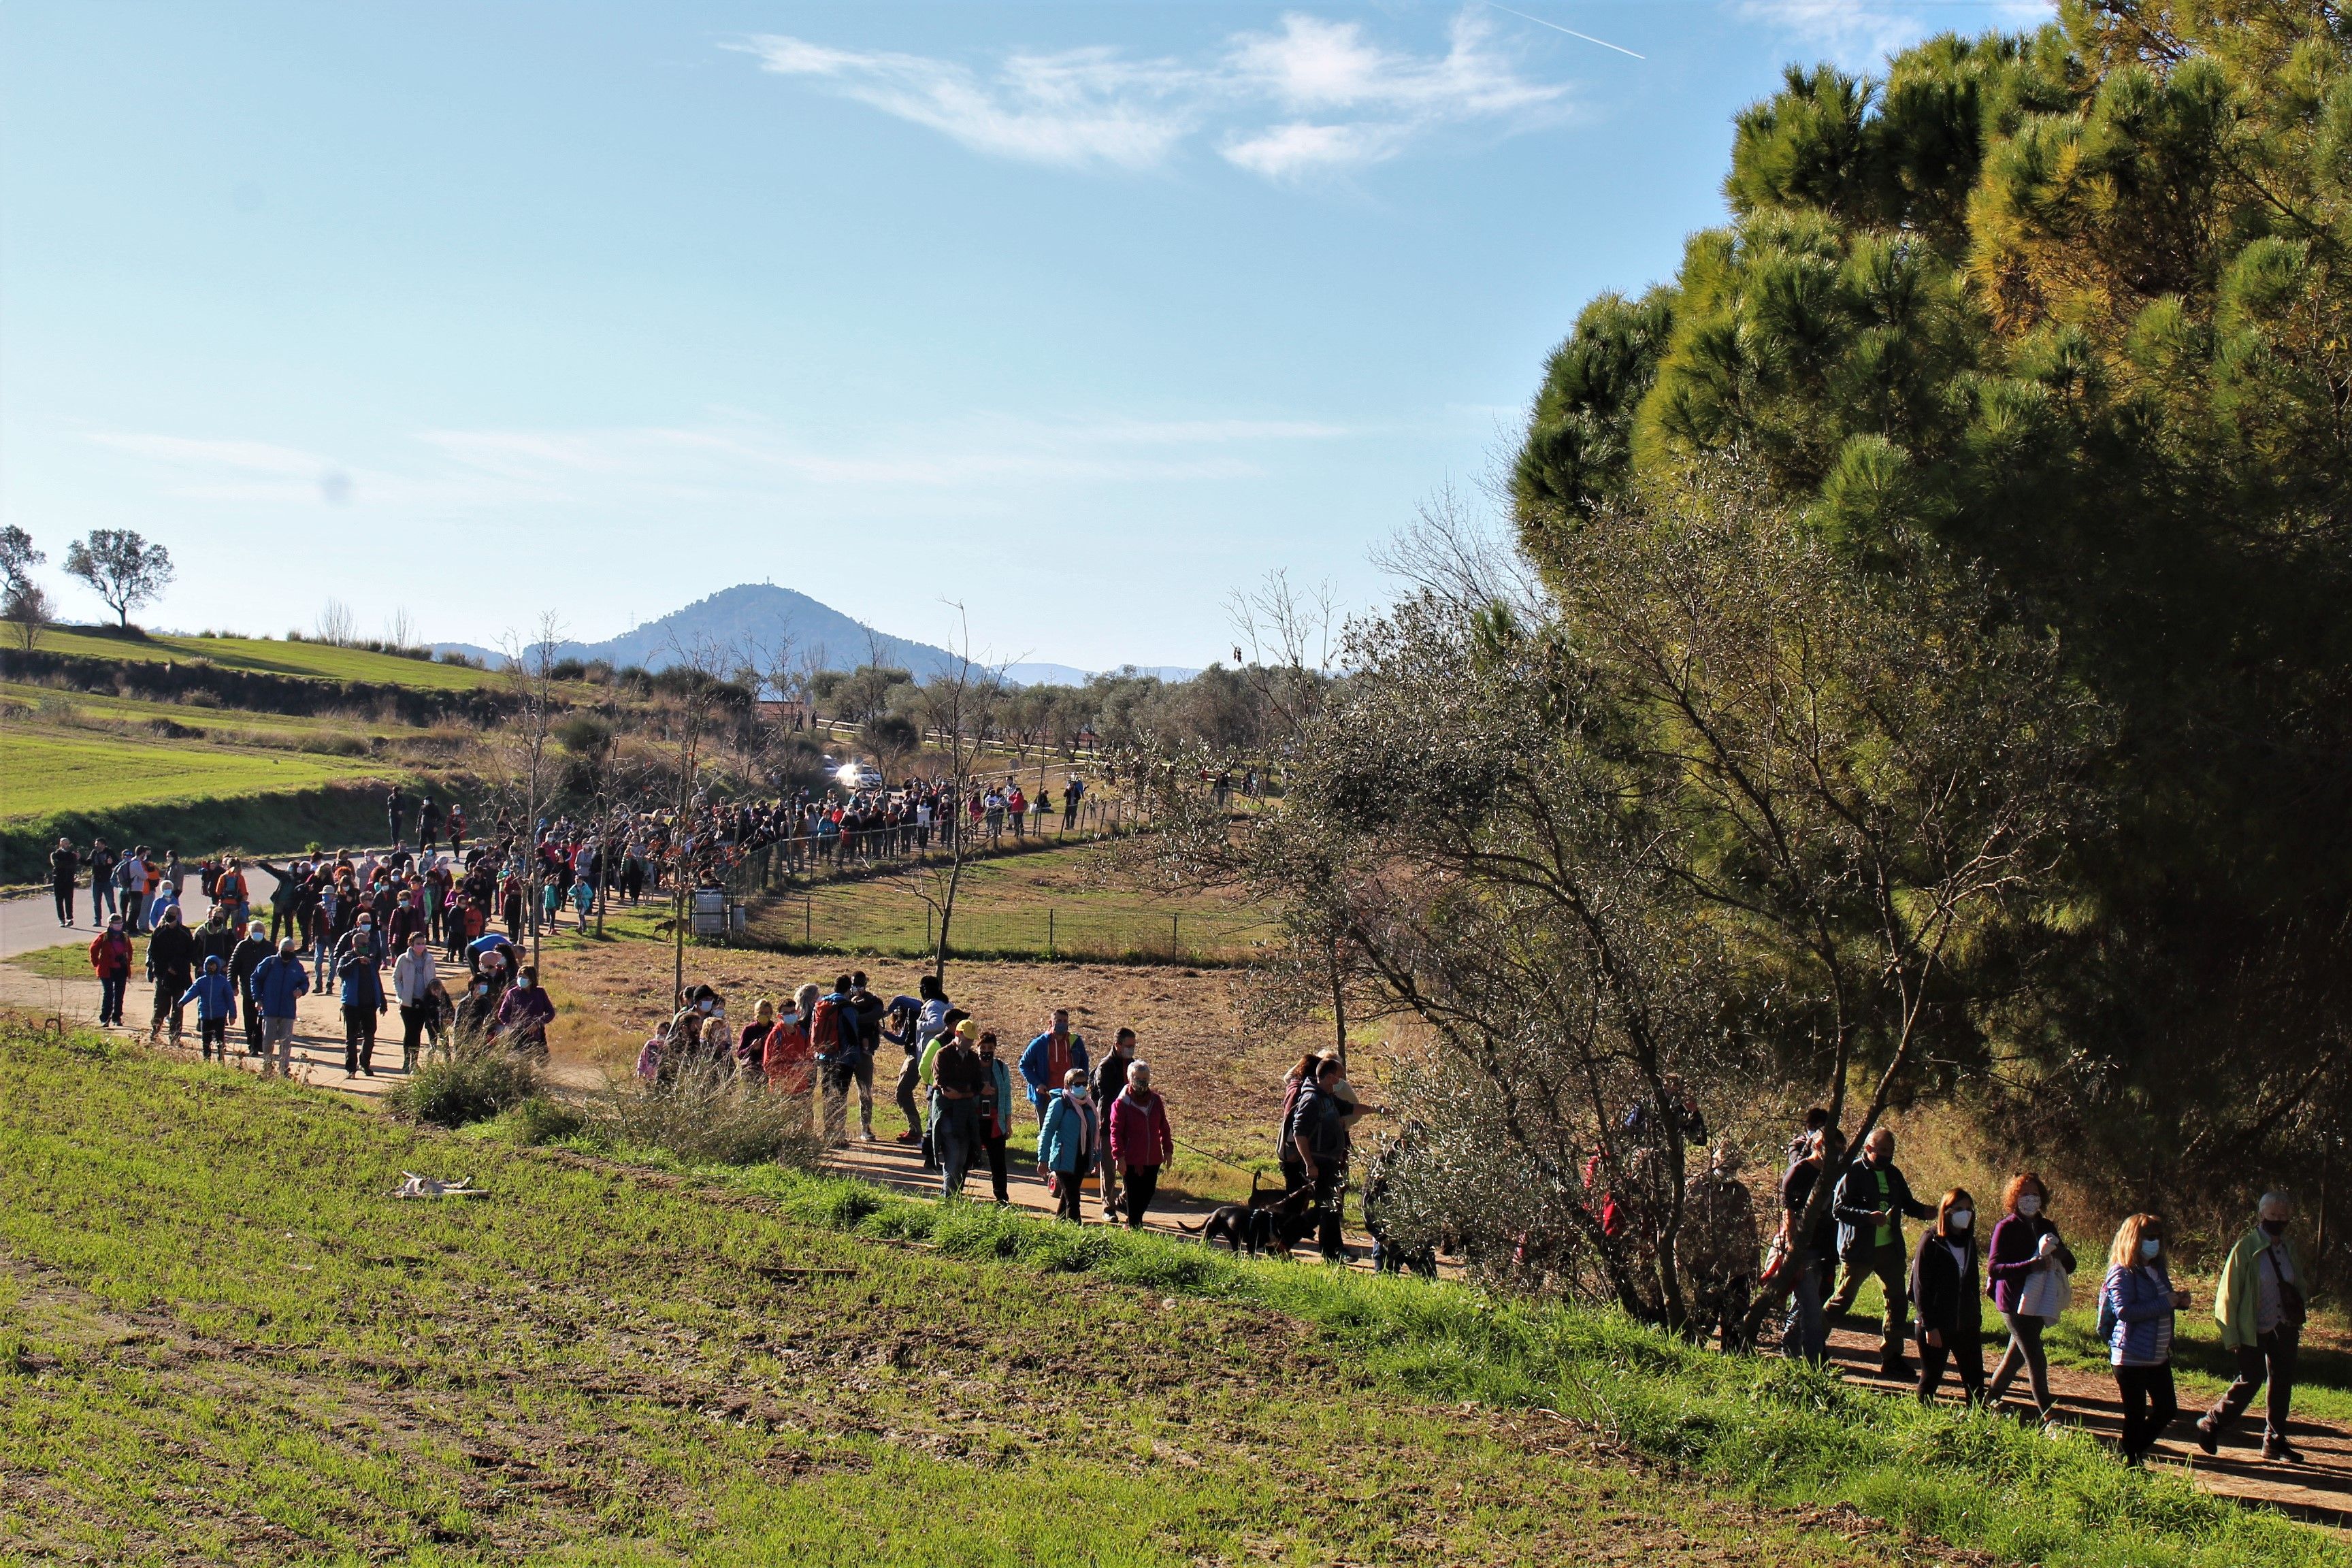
x: 269, y: 657
x: 220, y: 1340
x: 42, y: 773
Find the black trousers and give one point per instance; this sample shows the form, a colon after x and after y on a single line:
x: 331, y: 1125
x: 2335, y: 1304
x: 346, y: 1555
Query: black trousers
x: 1142, y: 1181
x: 2148, y: 1403
x: 213, y: 1032
x: 65, y: 896
x: 995, y: 1147
x: 1329, y: 1200
x: 252, y: 1015
x: 2271, y: 1357
x: 359, y: 1039
x: 1065, y: 1202
x: 412, y: 1020
x: 1964, y: 1347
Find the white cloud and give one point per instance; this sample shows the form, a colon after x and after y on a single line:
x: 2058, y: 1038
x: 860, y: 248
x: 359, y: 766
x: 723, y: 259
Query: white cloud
x: 729, y: 458
x: 1861, y: 34
x: 1312, y: 97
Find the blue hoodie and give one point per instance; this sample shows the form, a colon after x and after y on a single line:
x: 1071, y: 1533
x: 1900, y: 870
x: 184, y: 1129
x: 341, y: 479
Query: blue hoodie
x: 362, y: 987
x: 214, y: 995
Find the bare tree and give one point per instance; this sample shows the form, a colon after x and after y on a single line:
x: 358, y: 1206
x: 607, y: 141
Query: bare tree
x: 335, y: 625
x: 957, y: 706
x: 525, y: 741
x: 692, y: 694
x: 400, y: 629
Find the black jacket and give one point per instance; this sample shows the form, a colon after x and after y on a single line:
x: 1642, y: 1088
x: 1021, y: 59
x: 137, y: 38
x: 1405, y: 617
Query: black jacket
x: 1945, y: 1296
x: 246, y: 960
x: 171, y: 956
x: 1857, y: 1199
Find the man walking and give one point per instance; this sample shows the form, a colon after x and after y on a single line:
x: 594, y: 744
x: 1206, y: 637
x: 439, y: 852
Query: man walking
x: 171, y: 965
x: 957, y: 1082
x: 65, y: 875
x: 279, y: 983
x: 1048, y: 1061
x: 395, y: 807
x: 1871, y: 1202
x: 2259, y: 1303
x: 247, y: 956
x: 1109, y: 1083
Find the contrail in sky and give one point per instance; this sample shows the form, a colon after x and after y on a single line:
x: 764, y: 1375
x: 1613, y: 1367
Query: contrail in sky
x: 1572, y: 32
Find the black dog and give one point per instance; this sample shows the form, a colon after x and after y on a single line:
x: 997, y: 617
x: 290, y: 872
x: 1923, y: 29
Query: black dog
x: 1268, y: 1221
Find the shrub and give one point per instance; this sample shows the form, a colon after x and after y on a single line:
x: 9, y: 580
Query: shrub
x: 473, y: 1084
x: 707, y: 1116
x: 540, y: 1120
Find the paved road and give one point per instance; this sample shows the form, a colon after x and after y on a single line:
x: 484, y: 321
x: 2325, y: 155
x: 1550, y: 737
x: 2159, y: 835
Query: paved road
x: 30, y: 924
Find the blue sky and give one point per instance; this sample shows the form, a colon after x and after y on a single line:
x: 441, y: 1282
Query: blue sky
x: 1083, y: 314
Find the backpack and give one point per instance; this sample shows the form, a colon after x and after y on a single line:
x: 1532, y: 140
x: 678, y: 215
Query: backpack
x: 230, y: 887
x: 824, y: 1030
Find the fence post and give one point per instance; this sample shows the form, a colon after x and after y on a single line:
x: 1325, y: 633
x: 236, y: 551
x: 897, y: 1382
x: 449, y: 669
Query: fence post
x: 808, y: 920
x: 1174, y: 952
x: 1049, y: 930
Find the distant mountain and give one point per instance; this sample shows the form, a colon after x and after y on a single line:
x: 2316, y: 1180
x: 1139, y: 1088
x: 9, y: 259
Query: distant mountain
x: 763, y: 615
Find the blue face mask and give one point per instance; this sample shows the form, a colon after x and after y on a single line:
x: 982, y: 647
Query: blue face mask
x: 2149, y: 1248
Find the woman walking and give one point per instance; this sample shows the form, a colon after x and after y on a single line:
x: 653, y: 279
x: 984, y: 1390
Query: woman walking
x: 2136, y: 1304
x: 2027, y: 1263
x: 1944, y: 1295
x: 109, y: 959
x: 1140, y: 1139
x: 1065, y: 1144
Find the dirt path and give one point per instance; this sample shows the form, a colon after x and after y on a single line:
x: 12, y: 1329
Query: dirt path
x: 2319, y: 1490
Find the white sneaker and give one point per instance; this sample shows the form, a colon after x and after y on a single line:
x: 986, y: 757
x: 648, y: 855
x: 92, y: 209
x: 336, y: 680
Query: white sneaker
x: 867, y: 1136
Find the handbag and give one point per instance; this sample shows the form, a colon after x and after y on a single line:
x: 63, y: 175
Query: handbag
x: 1777, y: 1259
x: 2048, y: 1292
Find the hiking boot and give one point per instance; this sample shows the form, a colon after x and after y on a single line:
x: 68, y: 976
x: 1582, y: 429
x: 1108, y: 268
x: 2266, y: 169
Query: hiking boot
x: 909, y: 1138
x: 2208, y: 1443
x: 2279, y: 1448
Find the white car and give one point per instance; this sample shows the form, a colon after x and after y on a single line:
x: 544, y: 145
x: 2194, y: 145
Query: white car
x: 858, y: 777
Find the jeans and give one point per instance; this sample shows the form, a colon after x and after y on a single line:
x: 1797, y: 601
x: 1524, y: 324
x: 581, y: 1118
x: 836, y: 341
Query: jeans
x: 109, y: 997
x: 277, y: 1040
x: 864, y: 1073
x: 2025, y: 1351
x: 2149, y: 1407
x: 1142, y: 1181
x: 132, y: 903
x: 2272, y: 1355
x: 1106, y: 1172
x: 1805, y: 1331
x: 908, y: 1077
x: 956, y: 1136
x: 834, y: 1079
x: 101, y: 900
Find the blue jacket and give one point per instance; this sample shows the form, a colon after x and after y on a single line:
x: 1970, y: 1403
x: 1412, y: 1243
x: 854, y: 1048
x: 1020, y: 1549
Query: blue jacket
x: 214, y: 995
x: 1036, y: 1070
x: 2136, y: 1316
x: 1066, y: 1140
x: 362, y: 987
x: 277, y: 981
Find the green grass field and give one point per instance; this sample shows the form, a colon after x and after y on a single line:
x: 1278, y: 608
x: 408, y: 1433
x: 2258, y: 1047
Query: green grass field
x: 40, y: 705
x: 221, y: 1340
x: 42, y: 773
x: 1066, y: 901
x: 317, y: 660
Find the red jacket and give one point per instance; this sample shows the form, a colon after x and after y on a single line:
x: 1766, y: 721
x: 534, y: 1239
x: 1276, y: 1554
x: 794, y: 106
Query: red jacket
x: 1139, y: 1131
x: 109, y: 955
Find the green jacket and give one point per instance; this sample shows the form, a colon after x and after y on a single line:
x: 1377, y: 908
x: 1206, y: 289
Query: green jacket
x: 2234, y: 1298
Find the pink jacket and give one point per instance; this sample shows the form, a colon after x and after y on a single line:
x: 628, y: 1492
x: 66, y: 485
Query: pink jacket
x: 1139, y: 1131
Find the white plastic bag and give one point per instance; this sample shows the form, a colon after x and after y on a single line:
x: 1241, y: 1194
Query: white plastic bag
x: 2048, y: 1292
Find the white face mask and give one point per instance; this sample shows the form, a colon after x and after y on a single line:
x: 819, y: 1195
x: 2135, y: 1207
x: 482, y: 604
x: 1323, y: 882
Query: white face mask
x: 2029, y: 1206
x: 1962, y: 1218
x: 522, y: 984
x: 2150, y: 1248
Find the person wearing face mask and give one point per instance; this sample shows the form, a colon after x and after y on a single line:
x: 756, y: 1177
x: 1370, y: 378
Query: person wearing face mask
x: 478, y: 1010
x: 1065, y: 1144
x: 110, y: 957
x: 363, y: 1003
x: 2029, y: 1264
x: 524, y: 1014
x: 2136, y: 1304
x: 412, y: 980
x: 1944, y: 1291
x: 2259, y: 1304
x: 279, y: 983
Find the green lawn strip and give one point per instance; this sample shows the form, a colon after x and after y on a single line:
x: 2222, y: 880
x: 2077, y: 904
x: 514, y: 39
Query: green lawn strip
x: 48, y: 772
x: 222, y: 725
x: 318, y: 660
x: 1018, y: 906
x: 222, y: 1341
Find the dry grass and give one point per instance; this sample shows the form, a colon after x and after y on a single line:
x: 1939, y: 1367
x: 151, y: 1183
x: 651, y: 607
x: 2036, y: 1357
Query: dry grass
x: 1224, y: 1083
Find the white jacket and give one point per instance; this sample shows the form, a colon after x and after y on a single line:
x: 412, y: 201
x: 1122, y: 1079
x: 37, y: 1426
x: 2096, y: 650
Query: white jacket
x: 411, y: 976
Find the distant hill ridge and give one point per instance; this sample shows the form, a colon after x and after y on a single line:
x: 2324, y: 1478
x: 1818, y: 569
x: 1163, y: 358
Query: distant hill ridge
x: 764, y: 616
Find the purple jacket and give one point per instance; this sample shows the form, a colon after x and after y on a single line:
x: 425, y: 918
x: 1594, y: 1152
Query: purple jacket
x: 2010, y: 1260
